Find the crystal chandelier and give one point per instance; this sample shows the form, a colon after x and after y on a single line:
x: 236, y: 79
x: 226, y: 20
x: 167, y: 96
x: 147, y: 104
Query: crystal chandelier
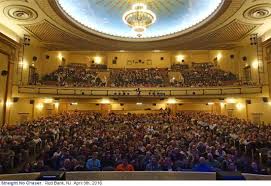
x: 139, y: 18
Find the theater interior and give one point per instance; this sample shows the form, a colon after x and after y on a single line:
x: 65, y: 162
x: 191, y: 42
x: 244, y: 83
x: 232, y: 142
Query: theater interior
x: 135, y: 89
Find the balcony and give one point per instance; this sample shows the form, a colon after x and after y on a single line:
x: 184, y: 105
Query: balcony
x: 246, y: 91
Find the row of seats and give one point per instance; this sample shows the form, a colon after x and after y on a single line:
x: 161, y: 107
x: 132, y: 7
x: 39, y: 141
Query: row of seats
x: 194, y: 141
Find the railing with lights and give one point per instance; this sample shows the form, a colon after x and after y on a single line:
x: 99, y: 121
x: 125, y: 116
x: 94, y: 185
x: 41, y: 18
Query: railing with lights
x: 144, y: 92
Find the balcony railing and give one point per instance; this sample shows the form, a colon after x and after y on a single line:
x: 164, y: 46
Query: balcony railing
x: 144, y: 92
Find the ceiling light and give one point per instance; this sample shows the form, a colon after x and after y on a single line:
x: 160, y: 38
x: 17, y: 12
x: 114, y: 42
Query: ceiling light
x: 139, y: 18
x: 139, y: 103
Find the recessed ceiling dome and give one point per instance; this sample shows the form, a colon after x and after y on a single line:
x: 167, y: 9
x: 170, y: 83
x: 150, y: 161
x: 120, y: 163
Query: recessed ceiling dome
x: 173, y: 17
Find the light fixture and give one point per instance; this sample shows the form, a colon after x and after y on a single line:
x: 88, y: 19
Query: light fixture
x: 56, y: 105
x: 97, y: 60
x: 60, y: 56
x: 269, y: 103
x: 156, y: 51
x: 9, y: 103
x: 210, y: 103
x: 239, y: 106
x: 74, y: 103
x: 105, y: 101
x: 171, y: 101
x: 230, y: 100
x: 219, y: 56
x: 139, y: 103
x: 179, y: 58
x: 23, y: 64
x: 222, y: 104
x: 39, y: 106
x: 139, y: 18
x: 48, y: 100
x: 255, y: 64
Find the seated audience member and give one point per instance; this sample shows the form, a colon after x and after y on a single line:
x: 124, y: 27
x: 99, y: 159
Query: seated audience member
x: 93, y: 164
x: 153, y: 165
x: 125, y: 166
x: 203, y: 166
x: 27, y: 168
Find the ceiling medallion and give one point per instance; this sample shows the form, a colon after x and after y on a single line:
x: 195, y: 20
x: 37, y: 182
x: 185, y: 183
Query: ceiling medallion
x: 20, y: 13
x: 261, y: 11
x: 139, y: 18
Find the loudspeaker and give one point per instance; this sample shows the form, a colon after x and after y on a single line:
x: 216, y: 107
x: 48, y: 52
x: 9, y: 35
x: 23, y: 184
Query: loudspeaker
x: 265, y: 99
x: 248, y: 102
x: 34, y: 58
x: 232, y: 56
x: 244, y: 58
x: 15, y: 99
x: 47, y: 57
x: 4, y: 73
x: 154, y: 104
x: 32, y: 102
x: 229, y: 176
x: 54, y: 175
x: 162, y: 58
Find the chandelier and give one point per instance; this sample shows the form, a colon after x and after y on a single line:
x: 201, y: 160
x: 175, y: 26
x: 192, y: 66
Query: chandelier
x: 139, y: 18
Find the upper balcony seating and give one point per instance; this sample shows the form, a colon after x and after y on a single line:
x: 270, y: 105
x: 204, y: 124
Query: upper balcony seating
x: 139, y: 78
x: 199, y: 75
x: 74, y: 76
x: 205, y: 75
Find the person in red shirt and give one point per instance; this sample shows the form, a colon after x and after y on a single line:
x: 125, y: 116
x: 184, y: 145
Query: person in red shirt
x: 125, y: 166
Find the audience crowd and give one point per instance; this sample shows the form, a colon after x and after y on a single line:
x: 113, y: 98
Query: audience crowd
x: 205, y: 75
x: 88, y: 141
x: 139, y: 78
x: 74, y: 76
x: 200, y: 75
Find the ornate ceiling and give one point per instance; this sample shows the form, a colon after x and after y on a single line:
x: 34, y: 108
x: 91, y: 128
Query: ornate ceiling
x: 233, y: 21
x: 105, y: 16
